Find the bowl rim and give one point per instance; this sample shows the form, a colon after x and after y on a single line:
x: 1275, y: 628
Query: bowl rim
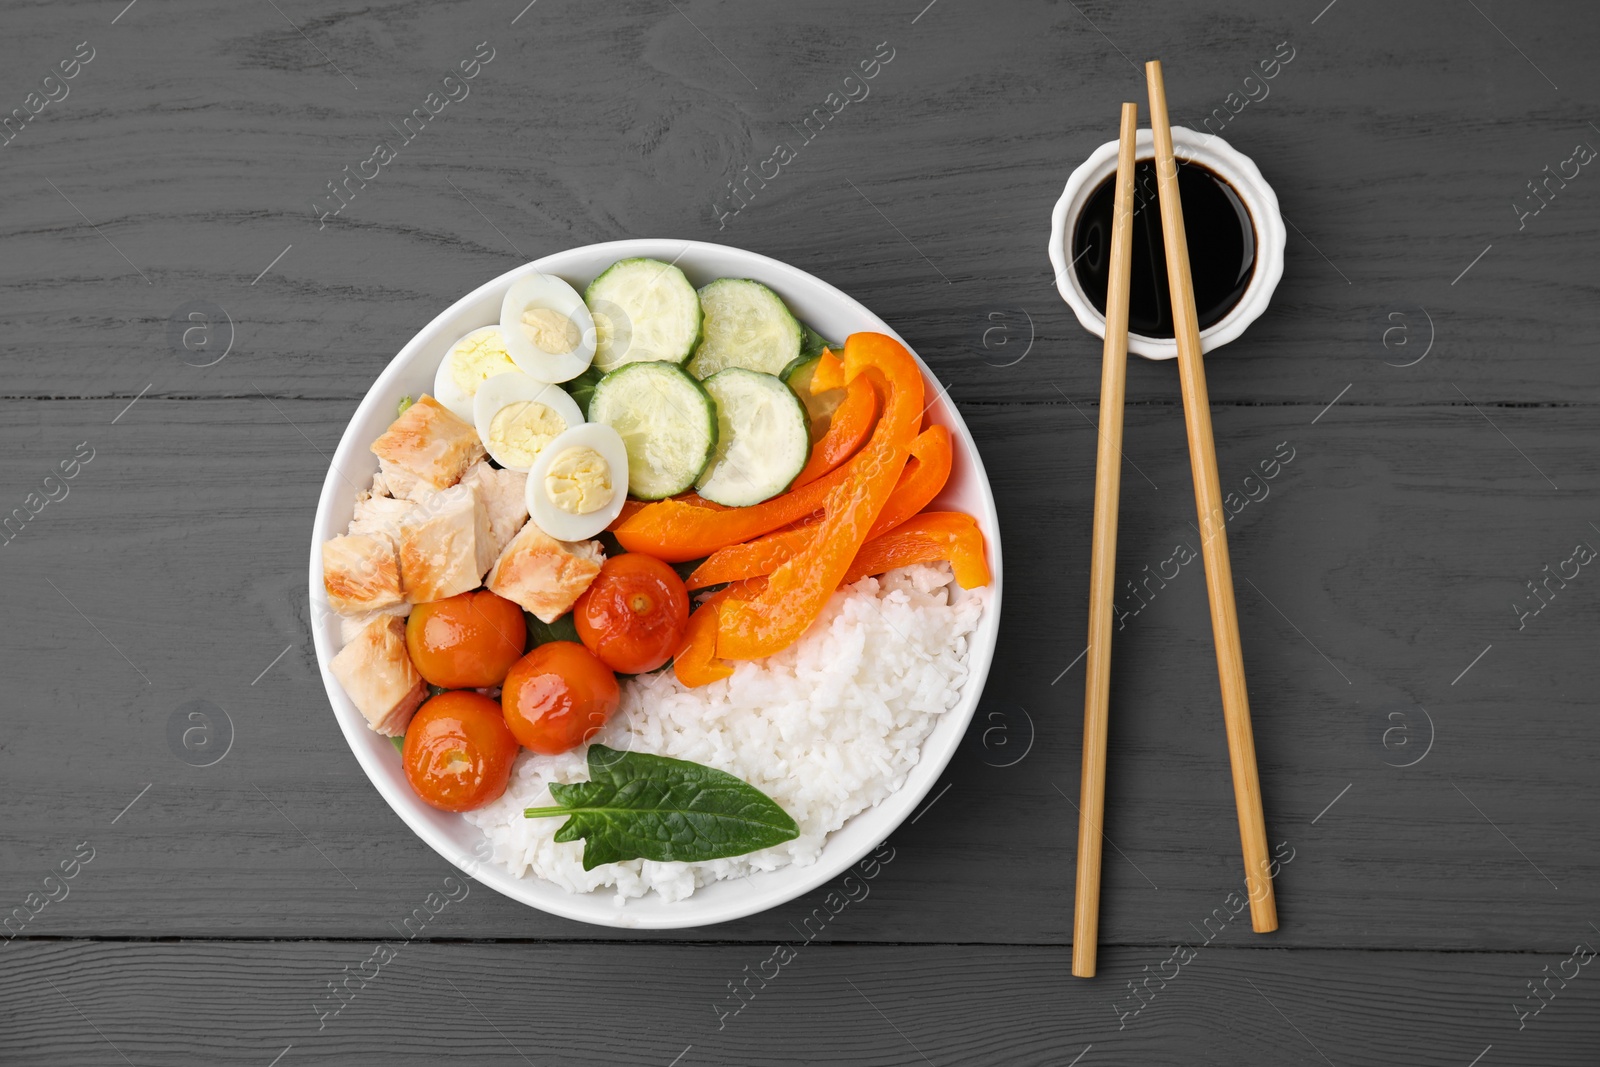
x: 1240, y: 171
x: 843, y: 847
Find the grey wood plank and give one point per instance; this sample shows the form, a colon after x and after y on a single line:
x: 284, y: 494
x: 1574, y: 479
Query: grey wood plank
x: 197, y: 142
x: 210, y: 1003
x: 1381, y: 562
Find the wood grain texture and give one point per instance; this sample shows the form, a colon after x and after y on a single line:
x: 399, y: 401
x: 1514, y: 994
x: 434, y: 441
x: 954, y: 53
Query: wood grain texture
x: 1393, y: 540
x: 243, y: 1002
x: 1416, y: 414
x: 1396, y: 139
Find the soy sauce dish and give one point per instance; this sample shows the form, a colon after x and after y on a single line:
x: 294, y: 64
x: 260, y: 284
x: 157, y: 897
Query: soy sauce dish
x: 581, y: 612
x: 1235, y: 235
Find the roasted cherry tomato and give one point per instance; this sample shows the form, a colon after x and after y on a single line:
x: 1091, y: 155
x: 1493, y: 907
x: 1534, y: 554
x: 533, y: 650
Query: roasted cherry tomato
x: 558, y: 696
x: 458, y: 751
x: 467, y: 641
x: 634, y: 614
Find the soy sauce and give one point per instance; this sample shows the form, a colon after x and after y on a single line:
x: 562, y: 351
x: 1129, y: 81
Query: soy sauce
x: 1221, y: 239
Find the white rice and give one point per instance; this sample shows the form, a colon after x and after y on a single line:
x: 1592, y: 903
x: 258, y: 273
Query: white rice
x: 828, y: 728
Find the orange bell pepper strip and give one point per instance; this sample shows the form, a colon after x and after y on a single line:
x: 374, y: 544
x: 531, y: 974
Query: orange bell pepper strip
x: 851, y: 422
x: 923, y: 478
x: 829, y: 373
x: 798, y: 590
x: 926, y: 538
x: 696, y: 663
x: 676, y: 530
x: 631, y: 507
x: 919, y: 483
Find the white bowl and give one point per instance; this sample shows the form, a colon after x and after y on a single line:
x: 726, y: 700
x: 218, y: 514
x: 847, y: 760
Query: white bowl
x: 1232, y: 166
x: 831, y: 313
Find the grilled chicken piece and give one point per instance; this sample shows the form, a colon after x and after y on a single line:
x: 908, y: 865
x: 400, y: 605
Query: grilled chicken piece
x: 428, y: 443
x: 378, y: 677
x: 544, y: 575
x: 351, y: 625
x: 378, y: 515
x: 445, y: 545
x: 361, y: 572
x: 505, y: 494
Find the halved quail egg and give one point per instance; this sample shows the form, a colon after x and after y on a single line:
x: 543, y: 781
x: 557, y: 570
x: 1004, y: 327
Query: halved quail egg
x: 517, y: 416
x: 548, y: 330
x: 579, y: 482
x: 470, y: 362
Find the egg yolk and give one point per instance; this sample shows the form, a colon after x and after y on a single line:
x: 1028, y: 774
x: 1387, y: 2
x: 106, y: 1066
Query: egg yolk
x: 474, y: 360
x: 518, y: 432
x: 579, y: 481
x: 551, y: 331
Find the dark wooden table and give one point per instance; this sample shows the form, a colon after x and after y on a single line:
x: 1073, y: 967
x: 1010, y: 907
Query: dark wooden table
x: 1418, y: 611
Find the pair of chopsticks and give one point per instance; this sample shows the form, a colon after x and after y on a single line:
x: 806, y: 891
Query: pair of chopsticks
x: 1214, y: 546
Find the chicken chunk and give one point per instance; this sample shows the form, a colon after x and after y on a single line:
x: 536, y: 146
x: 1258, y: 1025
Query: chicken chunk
x: 351, y: 625
x: 378, y: 677
x: 361, y: 572
x: 429, y: 443
x: 378, y: 515
x: 505, y: 494
x: 445, y: 545
x: 544, y: 575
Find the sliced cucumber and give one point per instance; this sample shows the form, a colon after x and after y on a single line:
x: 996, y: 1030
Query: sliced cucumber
x: 644, y: 310
x: 762, y: 438
x: 667, y: 422
x: 820, y: 406
x: 746, y: 325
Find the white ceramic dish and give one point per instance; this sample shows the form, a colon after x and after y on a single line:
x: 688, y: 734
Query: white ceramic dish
x: 834, y: 315
x: 1232, y: 166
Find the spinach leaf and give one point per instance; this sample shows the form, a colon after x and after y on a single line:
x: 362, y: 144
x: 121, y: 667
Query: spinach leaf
x: 542, y: 633
x: 812, y: 343
x: 636, y: 805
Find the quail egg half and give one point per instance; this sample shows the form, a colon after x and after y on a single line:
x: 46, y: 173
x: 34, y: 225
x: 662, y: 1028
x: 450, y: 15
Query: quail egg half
x: 518, y: 416
x: 548, y: 330
x: 579, y: 482
x: 470, y: 362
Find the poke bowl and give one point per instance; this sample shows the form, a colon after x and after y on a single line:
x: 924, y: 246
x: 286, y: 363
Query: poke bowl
x: 846, y: 727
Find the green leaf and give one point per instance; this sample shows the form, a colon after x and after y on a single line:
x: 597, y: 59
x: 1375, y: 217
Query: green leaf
x: 405, y: 402
x: 399, y: 743
x: 640, y: 806
x: 581, y: 388
x: 542, y: 633
x: 812, y: 343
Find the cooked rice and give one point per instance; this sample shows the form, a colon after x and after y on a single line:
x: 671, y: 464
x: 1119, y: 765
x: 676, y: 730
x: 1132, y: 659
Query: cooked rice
x: 828, y: 728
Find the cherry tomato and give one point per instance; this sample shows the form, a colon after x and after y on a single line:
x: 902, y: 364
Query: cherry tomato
x: 467, y: 641
x: 558, y: 696
x: 458, y: 751
x: 634, y: 614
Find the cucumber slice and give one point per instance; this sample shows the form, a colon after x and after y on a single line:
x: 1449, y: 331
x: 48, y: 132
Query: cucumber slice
x: 762, y: 438
x: 667, y: 422
x: 819, y: 406
x: 644, y: 310
x: 746, y: 325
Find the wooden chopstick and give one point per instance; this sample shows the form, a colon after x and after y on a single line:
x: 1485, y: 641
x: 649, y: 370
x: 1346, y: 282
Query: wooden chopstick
x: 1103, y: 558
x: 1208, y: 501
